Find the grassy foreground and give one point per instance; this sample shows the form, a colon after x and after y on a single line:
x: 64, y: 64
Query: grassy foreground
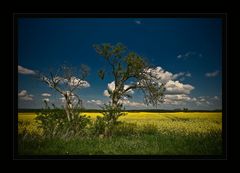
x: 141, y: 133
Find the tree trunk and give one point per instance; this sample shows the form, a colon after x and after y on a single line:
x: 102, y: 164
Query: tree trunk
x: 67, y: 112
x: 67, y: 108
x: 114, y: 106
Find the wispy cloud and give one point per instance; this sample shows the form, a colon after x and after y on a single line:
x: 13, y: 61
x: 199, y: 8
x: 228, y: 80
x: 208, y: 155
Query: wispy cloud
x: 62, y: 99
x: 132, y: 103
x: 188, y: 74
x: 188, y: 55
x: 138, y: 22
x: 46, y: 94
x: 177, y: 75
x: 181, y: 76
x: 212, y: 74
x: 179, y: 56
x: 183, y: 99
x: 97, y: 102
x: 25, y: 71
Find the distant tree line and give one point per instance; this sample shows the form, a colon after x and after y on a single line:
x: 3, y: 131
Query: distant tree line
x: 133, y: 110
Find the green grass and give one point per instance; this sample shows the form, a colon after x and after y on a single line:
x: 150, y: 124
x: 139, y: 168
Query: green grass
x: 144, y: 144
x: 138, y: 134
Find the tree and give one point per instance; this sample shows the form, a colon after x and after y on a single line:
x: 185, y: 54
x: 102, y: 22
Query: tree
x: 65, y: 82
x: 128, y: 68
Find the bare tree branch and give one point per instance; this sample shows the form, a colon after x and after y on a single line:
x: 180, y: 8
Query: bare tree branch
x: 66, y: 84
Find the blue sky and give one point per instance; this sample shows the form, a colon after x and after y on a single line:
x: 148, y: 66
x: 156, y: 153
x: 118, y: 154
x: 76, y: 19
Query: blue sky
x: 191, y: 48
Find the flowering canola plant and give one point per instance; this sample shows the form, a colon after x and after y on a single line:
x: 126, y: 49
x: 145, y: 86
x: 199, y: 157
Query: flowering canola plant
x: 184, y: 123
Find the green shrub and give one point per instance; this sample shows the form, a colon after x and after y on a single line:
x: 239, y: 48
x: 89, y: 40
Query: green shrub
x: 99, y: 126
x: 105, y: 125
x: 54, y: 123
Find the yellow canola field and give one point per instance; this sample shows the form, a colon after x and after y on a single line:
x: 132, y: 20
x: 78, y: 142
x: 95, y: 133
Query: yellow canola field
x: 180, y: 122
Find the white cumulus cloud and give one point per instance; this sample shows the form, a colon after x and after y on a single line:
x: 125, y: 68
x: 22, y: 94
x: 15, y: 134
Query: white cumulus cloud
x: 75, y: 82
x: 176, y: 91
x: 177, y: 99
x: 105, y: 93
x: 165, y: 76
x: 23, y: 95
x: 111, y: 87
x: 182, y: 97
x: 161, y: 74
x: 175, y: 87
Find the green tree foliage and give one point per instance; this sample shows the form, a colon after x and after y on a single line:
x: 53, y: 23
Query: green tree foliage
x: 127, y: 67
